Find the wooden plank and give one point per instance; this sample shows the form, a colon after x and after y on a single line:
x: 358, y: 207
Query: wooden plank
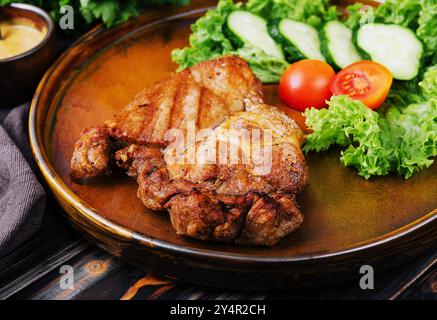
x: 414, y: 274
x: 146, y: 280
x: 43, y: 268
x: 426, y: 289
x: 118, y: 280
x: 89, y: 268
x: 36, y: 276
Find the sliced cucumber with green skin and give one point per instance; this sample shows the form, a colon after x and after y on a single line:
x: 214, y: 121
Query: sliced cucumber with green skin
x: 252, y: 29
x: 337, y: 45
x: 301, y: 40
x: 393, y: 46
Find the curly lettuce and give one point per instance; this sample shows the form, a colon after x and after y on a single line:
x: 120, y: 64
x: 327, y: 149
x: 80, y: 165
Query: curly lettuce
x: 401, y: 12
x: 403, y: 140
x: 415, y: 132
x: 427, y: 26
x: 207, y: 40
x: 350, y: 124
x: 429, y: 83
x: 313, y: 12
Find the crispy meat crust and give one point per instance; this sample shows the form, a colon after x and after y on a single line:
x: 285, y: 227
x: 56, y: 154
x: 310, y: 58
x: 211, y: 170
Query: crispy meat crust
x: 92, y: 154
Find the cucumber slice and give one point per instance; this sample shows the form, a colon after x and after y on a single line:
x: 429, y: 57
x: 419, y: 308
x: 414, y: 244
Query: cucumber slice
x: 394, y: 46
x: 338, y: 46
x: 302, y: 40
x: 252, y: 29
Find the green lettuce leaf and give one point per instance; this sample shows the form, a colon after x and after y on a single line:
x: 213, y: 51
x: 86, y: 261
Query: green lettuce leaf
x: 354, y: 14
x: 403, y: 93
x: 400, y: 12
x: 207, y: 40
x: 313, y: 12
x: 427, y: 29
x: 429, y: 83
x: 415, y: 132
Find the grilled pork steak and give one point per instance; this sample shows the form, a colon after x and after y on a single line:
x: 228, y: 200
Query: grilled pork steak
x: 248, y: 199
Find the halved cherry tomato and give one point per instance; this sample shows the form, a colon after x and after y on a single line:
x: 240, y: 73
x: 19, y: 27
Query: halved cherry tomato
x: 367, y: 81
x: 306, y: 84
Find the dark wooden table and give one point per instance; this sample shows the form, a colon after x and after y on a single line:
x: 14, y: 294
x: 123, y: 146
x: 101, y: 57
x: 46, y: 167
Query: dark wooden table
x: 33, y: 272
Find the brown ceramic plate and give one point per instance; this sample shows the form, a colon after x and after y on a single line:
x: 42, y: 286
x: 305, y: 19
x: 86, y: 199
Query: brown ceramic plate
x: 348, y: 221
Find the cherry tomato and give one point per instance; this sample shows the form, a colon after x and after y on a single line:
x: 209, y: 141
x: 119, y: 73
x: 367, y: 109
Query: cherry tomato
x: 306, y: 84
x: 367, y: 81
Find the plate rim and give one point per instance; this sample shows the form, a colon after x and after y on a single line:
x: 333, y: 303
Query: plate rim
x: 57, y: 186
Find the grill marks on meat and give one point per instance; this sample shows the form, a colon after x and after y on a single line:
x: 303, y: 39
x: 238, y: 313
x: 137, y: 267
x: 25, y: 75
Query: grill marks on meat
x: 218, y: 202
x: 205, y: 94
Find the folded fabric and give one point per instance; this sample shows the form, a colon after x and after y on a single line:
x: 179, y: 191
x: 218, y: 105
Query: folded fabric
x: 22, y: 198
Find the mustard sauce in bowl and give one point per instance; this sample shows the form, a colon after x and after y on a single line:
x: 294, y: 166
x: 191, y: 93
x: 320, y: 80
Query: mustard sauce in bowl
x: 19, y: 36
x: 27, y: 48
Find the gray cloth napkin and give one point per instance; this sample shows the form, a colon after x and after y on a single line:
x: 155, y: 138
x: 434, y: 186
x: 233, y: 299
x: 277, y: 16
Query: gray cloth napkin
x: 22, y: 198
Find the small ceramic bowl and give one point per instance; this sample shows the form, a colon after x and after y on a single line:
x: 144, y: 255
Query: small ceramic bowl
x: 20, y: 74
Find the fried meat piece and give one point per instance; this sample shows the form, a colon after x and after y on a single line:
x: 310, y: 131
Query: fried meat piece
x: 92, y: 154
x: 234, y: 202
